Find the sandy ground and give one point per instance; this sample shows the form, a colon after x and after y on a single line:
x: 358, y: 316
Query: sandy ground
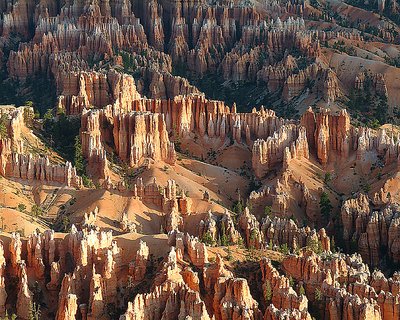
x: 347, y: 67
x: 13, y: 220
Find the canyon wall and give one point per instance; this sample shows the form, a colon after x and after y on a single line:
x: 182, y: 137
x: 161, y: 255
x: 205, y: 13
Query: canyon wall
x: 16, y: 163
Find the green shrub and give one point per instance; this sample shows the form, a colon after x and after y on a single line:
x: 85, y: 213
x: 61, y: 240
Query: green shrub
x: 318, y: 294
x: 325, y: 205
x: 208, y: 239
x: 3, y: 126
x: 268, y: 211
x: 36, y: 211
x: 267, y: 291
x: 87, y: 182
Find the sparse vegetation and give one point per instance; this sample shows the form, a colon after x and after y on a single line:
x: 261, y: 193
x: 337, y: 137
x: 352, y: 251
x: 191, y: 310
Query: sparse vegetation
x: 229, y: 256
x: 314, y: 245
x: 61, y: 133
x: 325, y: 206
x: 36, y: 211
x: 327, y: 177
x: 267, y: 211
x: 34, y: 311
x: 302, y: 291
x: 267, y: 291
x: 13, y: 316
x: 21, y: 207
x: 366, y: 187
x: 369, y: 106
x: 284, y: 249
x: 318, y: 294
x: 3, y: 126
x: 208, y: 239
x: 66, y: 223
x: 87, y: 182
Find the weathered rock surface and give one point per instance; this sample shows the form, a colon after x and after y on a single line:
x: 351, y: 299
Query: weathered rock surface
x: 345, y: 283
x: 278, y: 232
x: 136, y: 136
x: 375, y: 232
x: 15, y: 162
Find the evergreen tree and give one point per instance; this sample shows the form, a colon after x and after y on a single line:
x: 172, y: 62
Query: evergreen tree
x: 302, y: 291
x: 267, y: 211
x: 267, y: 291
x: 318, y: 294
x: 325, y: 206
x: 208, y: 239
x: 34, y: 311
x: 3, y: 126
x: 79, y: 161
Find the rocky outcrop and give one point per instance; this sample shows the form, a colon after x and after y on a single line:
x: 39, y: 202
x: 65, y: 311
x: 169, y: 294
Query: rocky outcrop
x: 232, y: 300
x: 137, y: 268
x: 174, y: 220
x: 85, y: 261
x: 28, y: 167
x: 162, y: 85
x: 219, y: 228
x: 55, y: 274
x: 286, y: 144
x: 136, y: 136
x: 278, y: 232
x: 142, y: 135
x: 91, y: 261
x: 84, y: 89
x: 68, y: 304
x: 15, y: 162
x: 327, y: 133
x: 375, y: 232
x: 3, y: 292
x: 187, y: 244
x: 178, y: 302
x: 213, y: 272
x: 330, y: 136
x: 326, y: 83
x: 87, y: 33
x: 96, y: 302
x: 168, y: 198
x: 24, y: 298
x: 283, y: 295
x: 15, y: 252
x: 376, y: 82
x: 181, y: 117
x: 3, y: 296
x: 35, y: 258
x: 346, y: 285
x: 250, y: 227
x: 170, y: 297
x: 272, y: 313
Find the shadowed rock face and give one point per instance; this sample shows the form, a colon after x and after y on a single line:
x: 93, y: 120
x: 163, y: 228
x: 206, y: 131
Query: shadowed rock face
x: 20, y: 164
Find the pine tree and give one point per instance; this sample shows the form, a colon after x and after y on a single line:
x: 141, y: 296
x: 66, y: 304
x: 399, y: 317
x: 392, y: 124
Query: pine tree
x: 302, y: 291
x: 318, y: 294
x: 224, y: 238
x: 79, y: 161
x: 34, y: 311
x: 325, y: 205
x: 291, y: 281
x: 208, y: 239
x: 267, y: 291
x: 229, y: 257
x: 333, y: 245
x: 3, y: 126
